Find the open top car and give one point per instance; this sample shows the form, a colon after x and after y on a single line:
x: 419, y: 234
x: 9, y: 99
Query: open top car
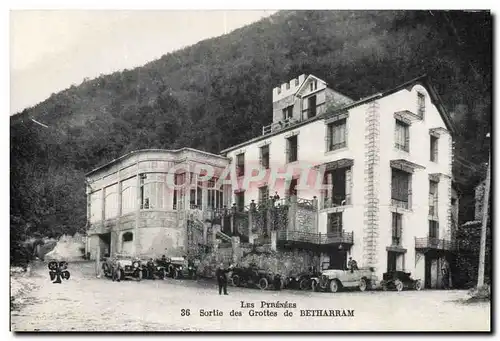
x: 334, y: 280
x: 122, y: 266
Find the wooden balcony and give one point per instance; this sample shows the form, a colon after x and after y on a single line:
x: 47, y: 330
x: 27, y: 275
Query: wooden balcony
x: 427, y: 244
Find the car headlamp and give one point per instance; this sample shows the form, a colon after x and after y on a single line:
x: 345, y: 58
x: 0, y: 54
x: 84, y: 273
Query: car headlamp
x: 136, y: 264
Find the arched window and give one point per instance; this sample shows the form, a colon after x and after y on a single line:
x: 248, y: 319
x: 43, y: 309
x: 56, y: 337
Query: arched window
x: 128, y: 237
x: 153, y: 191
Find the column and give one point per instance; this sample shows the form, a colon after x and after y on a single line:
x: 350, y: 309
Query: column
x: 251, y: 213
x: 315, y: 214
x: 274, y: 239
x: 329, y: 191
x: 137, y: 212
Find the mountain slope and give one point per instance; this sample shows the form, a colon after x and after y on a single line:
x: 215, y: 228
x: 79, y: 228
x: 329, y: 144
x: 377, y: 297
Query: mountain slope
x: 217, y: 93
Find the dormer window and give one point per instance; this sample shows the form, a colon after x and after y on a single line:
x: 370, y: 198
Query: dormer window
x: 313, y: 85
x: 420, y: 104
x: 287, y: 86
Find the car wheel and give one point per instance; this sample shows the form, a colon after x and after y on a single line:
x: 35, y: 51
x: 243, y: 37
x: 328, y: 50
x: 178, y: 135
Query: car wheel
x: 314, y: 286
x: 334, y: 285
x: 398, y: 284
x: 263, y: 283
x: 362, y: 284
x: 303, y: 285
x: 236, y: 280
x: 418, y: 285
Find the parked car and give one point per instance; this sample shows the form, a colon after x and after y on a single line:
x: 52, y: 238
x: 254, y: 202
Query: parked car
x: 303, y: 280
x: 153, y: 269
x: 122, y: 266
x: 399, y: 280
x: 334, y: 280
x: 180, y: 267
x: 254, y: 277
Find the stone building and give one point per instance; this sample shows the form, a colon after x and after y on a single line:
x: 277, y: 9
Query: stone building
x: 329, y: 178
x: 387, y: 162
x: 134, y: 208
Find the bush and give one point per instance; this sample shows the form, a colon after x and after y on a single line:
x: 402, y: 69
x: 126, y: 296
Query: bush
x: 481, y: 294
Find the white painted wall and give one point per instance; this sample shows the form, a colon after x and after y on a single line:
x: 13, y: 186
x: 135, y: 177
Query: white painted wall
x: 415, y: 221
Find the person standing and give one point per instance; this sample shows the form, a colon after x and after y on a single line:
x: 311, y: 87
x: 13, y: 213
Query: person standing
x: 220, y: 273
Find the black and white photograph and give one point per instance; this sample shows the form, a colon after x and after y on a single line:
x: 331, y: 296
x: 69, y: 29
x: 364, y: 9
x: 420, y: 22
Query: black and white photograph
x: 232, y: 170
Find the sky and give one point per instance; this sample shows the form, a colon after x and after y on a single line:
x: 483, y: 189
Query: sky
x: 50, y: 50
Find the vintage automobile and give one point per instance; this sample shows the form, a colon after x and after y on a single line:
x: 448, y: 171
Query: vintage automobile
x: 303, y: 280
x: 334, y: 280
x: 399, y: 280
x: 252, y: 276
x: 121, y: 267
x: 154, y: 269
x: 180, y: 267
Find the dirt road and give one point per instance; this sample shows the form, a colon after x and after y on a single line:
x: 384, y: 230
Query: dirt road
x: 85, y: 303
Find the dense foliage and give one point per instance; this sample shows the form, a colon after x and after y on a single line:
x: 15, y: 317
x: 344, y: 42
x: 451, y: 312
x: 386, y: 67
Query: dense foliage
x: 217, y: 93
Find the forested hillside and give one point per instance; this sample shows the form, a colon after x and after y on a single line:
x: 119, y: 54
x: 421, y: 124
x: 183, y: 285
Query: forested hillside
x: 218, y: 93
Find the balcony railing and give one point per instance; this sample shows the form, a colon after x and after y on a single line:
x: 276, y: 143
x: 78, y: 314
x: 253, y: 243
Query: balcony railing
x: 434, y: 243
x: 400, y: 204
x: 336, y: 201
x: 279, y: 125
x: 316, y: 238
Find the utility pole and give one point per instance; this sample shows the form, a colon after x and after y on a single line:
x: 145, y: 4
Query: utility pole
x: 482, y: 249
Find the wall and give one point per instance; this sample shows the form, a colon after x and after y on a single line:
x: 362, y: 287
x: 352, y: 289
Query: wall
x: 415, y: 221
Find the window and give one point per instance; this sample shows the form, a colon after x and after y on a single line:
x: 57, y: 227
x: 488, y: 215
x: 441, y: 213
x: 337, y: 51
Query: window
x: 397, y: 228
x: 96, y: 206
x: 111, y: 201
x: 292, y: 188
x: 287, y: 86
x: 288, y: 112
x: 338, y: 185
x: 263, y: 194
x: 214, y: 195
x: 401, y: 189
x: 313, y: 85
x: 240, y: 201
x: 196, y: 197
x: 434, y: 148
x: 402, y: 136
x: 433, y: 198
x: 128, y: 237
x: 335, y: 223
x: 129, y: 195
x: 240, y: 164
x: 264, y: 156
x: 337, y: 135
x: 292, y: 149
x: 178, y: 201
x: 153, y: 191
x: 433, y: 229
x: 420, y: 104
x: 311, y: 106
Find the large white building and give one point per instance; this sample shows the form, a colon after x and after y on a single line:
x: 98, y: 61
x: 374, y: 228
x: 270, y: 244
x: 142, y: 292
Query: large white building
x: 388, y: 171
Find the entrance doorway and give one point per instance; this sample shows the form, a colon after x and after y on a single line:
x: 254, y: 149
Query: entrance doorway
x: 338, y: 259
x: 105, y: 244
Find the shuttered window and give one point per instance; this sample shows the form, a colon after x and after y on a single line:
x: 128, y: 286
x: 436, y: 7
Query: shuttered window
x: 402, y: 136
